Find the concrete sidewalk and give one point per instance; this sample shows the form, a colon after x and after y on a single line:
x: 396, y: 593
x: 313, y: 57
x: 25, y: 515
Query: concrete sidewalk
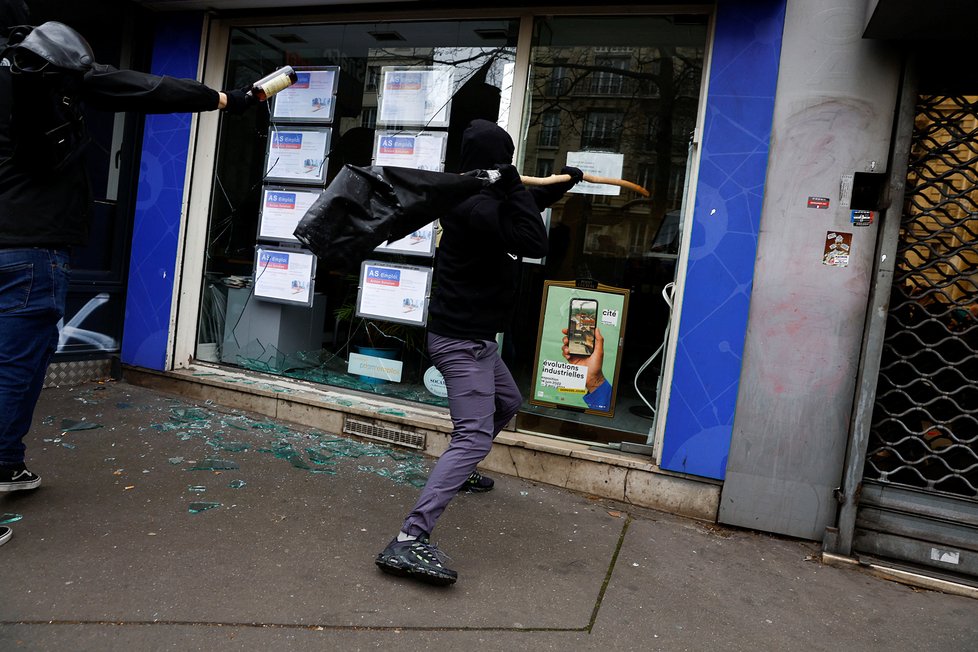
x: 109, y: 556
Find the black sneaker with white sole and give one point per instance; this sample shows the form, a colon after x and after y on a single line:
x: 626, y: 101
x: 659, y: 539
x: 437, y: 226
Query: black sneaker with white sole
x: 477, y: 483
x: 16, y: 478
x: 5, y: 534
x: 418, y: 559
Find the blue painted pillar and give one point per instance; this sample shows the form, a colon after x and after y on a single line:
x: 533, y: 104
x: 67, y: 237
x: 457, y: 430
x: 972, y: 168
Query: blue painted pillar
x: 159, y: 201
x: 723, y: 245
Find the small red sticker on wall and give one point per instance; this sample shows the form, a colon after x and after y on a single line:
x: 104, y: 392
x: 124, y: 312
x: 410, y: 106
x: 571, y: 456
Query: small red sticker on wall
x: 818, y: 202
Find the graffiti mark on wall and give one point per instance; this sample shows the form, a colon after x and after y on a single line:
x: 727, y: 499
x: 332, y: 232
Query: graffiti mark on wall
x: 74, y: 335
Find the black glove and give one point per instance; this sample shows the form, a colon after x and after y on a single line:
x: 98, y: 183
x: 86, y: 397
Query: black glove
x: 509, y: 178
x: 240, y: 100
x: 575, y: 173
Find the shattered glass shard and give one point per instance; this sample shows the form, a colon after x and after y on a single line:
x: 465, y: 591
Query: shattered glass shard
x: 70, y: 425
x: 236, y: 484
x: 202, y: 506
x: 215, y: 465
x: 196, y: 489
x: 293, y: 458
x: 319, y: 458
x: 188, y: 414
x: 10, y: 518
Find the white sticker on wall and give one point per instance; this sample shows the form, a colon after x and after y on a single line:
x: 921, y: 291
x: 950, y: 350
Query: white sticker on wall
x: 609, y: 317
x: 945, y: 556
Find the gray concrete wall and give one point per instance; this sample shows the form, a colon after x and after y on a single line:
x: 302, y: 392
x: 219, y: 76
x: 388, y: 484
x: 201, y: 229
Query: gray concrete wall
x: 833, y: 116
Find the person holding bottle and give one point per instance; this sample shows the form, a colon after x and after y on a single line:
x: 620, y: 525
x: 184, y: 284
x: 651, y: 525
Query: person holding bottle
x: 47, y: 73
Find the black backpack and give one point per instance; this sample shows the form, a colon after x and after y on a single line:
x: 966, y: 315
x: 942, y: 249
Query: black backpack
x: 47, y: 64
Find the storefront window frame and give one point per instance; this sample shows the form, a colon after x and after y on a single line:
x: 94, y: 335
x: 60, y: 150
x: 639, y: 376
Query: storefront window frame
x: 201, y: 162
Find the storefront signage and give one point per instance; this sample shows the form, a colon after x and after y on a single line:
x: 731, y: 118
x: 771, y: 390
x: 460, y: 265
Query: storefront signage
x: 422, y: 151
x: 310, y: 99
x: 375, y: 367
x: 397, y: 293
x: 416, y: 96
x: 599, y: 164
x: 297, y: 155
x: 418, y: 243
x: 281, y: 210
x: 579, y: 347
x: 434, y: 382
x: 284, y: 275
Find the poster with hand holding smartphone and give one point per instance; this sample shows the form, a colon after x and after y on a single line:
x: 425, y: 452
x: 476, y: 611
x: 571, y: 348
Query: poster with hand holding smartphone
x: 579, y: 347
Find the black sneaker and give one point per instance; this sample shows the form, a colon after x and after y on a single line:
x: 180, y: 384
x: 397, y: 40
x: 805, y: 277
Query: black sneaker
x: 15, y: 478
x: 5, y: 534
x: 477, y: 482
x: 418, y: 559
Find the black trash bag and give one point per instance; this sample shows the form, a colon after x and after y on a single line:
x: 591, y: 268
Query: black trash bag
x: 363, y: 207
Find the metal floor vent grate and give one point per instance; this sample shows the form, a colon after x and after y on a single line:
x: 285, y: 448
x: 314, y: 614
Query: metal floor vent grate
x: 384, y: 432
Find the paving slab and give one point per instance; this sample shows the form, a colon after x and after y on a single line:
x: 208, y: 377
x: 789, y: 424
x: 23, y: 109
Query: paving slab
x: 693, y: 586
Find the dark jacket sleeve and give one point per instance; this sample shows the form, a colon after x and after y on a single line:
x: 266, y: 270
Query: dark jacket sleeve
x: 110, y: 89
x: 545, y: 196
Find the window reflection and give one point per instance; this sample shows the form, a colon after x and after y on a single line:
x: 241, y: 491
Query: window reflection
x: 629, y: 86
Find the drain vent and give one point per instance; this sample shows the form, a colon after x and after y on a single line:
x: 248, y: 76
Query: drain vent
x: 384, y: 432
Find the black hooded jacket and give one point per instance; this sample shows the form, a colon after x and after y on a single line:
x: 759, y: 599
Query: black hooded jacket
x: 52, y: 210
x: 483, y: 238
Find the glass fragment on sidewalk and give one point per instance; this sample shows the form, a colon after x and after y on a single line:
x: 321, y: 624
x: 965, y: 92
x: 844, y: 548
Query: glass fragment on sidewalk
x: 313, y: 451
x: 215, y: 465
x: 202, y: 506
x: 70, y: 425
x: 10, y: 518
x: 317, y: 457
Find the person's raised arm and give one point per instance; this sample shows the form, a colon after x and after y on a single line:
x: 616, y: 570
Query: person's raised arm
x: 111, y: 89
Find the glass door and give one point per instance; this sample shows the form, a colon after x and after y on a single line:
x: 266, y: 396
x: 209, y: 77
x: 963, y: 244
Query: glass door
x: 622, y: 92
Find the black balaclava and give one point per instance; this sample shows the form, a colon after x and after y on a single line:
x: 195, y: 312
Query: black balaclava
x: 12, y: 14
x: 485, y: 145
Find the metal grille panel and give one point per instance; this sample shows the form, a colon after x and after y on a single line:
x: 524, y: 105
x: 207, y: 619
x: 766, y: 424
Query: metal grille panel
x: 925, y: 421
x: 384, y: 432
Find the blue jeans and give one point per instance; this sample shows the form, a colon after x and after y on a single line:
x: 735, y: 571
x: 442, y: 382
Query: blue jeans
x: 482, y: 398
x: 33, y: 286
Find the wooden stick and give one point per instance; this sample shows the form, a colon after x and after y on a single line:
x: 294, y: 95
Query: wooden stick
x: 563, y: 178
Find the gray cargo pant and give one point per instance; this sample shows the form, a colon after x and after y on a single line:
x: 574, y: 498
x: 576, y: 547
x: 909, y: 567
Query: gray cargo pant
x: 482, y: 398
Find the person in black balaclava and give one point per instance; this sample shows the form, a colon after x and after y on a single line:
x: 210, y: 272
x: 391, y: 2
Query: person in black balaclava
x: 475, y: 284
x: 45, y: 72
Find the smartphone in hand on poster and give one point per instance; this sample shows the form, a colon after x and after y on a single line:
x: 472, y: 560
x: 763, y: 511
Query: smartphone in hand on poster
x: 580, y: 326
